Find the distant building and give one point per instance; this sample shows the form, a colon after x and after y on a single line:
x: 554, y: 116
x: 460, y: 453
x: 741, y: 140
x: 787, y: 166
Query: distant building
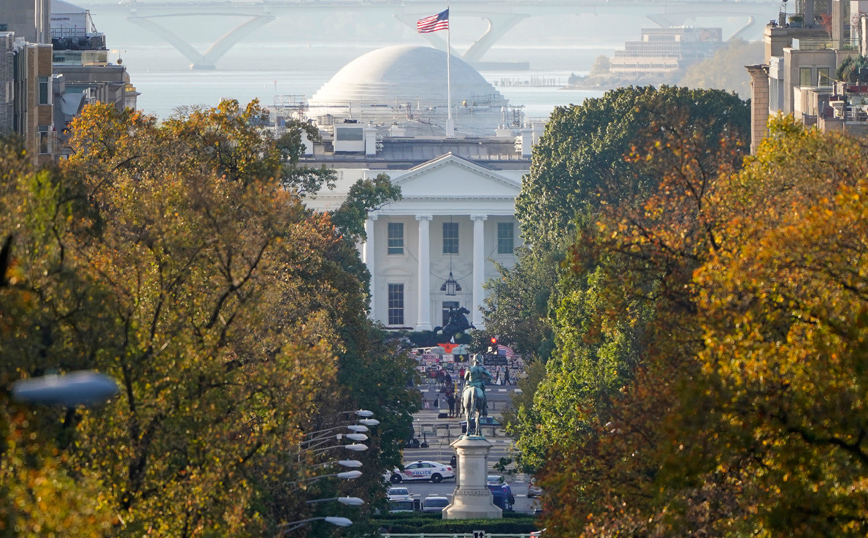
x: 663, y: 50
x: 53, y: 63
x: 81, y: 63
x: 799, y: 77
x: 406, y: 84
x: 27, y: 19
x: 27, y: 96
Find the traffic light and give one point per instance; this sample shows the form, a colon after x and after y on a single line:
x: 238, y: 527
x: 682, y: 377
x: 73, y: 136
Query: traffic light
x: 493, y: 347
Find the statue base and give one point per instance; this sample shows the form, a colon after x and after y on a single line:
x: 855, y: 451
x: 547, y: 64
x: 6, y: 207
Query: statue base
x: 472, y: 498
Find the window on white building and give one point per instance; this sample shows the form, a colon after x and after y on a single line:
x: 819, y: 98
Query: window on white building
x: 396, y: 304
x: 448, y: 306
x: 505, y: 238
x: 450, y: 238
x: 396, y: 238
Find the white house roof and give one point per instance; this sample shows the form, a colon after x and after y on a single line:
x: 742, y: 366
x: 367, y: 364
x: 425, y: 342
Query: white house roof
x: 443, y: 186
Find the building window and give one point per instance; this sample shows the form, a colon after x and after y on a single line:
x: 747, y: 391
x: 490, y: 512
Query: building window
x: 805, y: 76
x: 396, y: 304
x: 44, y: 93
x: 448, y: 306
x: 505, y: 238
x: 396, y: 238
x: 450, y: 238
x: 44, y: 140
x: 823, y: 78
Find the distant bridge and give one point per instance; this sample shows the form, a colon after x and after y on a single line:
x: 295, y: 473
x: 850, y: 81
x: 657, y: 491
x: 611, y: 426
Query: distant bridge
x: 501, y: 15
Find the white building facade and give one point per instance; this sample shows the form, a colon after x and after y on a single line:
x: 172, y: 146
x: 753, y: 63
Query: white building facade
x: 455, y: 218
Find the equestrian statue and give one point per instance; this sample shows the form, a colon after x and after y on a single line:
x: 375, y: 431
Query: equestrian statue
x: 458, y: 323
x: 473, y: 399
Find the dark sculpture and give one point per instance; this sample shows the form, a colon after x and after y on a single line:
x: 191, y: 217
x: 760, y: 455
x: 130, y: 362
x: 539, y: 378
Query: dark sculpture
x: 458, y: 323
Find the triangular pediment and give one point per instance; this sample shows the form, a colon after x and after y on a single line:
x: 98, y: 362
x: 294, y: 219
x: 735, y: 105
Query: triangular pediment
x: 449, y: 176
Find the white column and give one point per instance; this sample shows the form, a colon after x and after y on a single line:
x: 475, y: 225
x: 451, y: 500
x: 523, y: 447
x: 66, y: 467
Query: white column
x: 478, y: 267
x: 369, y: 259
x: 423, y: 321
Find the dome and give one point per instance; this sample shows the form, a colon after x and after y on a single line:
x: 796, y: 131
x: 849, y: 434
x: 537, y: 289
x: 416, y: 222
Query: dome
x: 405, y: 74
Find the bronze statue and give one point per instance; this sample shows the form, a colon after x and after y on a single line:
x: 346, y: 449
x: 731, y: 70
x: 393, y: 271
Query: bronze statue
x: 473, y: 398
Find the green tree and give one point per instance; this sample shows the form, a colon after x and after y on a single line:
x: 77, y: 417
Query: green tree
x: 733, y: 424
x: 364, y: 196
x: 627, y: 338
x: 519, y: 302
x: 584, y: 146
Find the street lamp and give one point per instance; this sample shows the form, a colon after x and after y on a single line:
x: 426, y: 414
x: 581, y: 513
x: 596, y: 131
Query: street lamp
x: 348, y: 501
x: 73, y: 389
x: 293, y: 525
x: 355, y: 447
x: 349, y: 464
x: 345, y: 475
x: 358, y: 428
x: 318, y: 441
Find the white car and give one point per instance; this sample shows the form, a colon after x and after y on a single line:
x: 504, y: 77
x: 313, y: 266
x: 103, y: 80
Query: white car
x: 399, y: 494
x: 434, y: 504
x: 423, y: 470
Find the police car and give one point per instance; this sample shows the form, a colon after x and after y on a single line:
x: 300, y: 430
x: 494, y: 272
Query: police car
x: 423, y: 470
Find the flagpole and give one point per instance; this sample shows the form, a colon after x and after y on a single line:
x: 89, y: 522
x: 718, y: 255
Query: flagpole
x: 450, y: 125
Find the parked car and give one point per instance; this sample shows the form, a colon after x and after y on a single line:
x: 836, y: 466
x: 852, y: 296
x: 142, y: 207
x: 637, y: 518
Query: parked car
x: 498, y: 480
x: 500, y: 498
x: 485, y: 421
x: 399, y: 494
x: 434, y: 504
x: 401, y: 506
x: 423, y: 470
x: 533, y: 490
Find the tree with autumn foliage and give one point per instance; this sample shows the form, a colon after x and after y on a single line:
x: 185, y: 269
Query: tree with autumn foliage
x: 582, y: 167
x: 174, y: 258
x: 743, y: 415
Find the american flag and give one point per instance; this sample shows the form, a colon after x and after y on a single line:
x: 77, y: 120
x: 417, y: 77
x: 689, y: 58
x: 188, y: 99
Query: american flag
x: 506, y: 351
x: 433, y: 23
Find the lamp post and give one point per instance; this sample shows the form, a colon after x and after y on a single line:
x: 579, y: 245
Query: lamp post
x: 318, y: 441
x: 355, y: 447
x: 293, y: 525
x: 349, y: 501
x: 71, y: 390
x: 349, y: 464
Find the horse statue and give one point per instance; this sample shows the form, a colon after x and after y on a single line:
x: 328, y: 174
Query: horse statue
x: 458, y: 323
x: 473, y: 399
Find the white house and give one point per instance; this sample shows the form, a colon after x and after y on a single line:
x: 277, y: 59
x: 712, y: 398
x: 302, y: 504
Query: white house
x: 455, y: 219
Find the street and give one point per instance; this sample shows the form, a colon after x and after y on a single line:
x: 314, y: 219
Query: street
x: 439, y: 433
x: 422, y: 489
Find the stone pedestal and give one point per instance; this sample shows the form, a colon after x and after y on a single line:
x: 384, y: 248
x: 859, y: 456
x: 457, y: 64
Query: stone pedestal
x: 472, y: 499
